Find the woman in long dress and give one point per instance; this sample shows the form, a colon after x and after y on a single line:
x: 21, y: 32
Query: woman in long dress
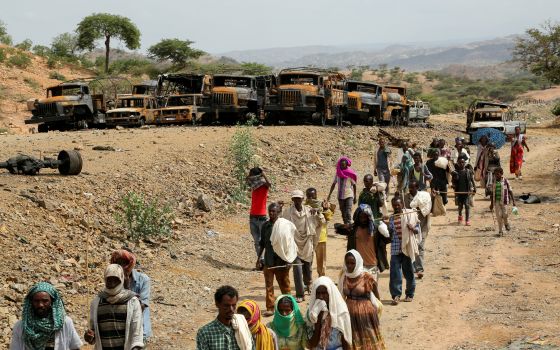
x: 362, y: 298
x: 516, y: 159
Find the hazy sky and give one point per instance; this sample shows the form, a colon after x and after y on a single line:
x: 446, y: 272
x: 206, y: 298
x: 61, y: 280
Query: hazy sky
x: 219, y: 26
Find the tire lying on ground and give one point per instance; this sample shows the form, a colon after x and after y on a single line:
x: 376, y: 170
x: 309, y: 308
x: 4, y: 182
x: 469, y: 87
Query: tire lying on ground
x: 70, y: 162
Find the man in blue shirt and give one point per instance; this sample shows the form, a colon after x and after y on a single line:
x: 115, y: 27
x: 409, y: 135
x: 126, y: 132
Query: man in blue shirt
x: 137, y: 282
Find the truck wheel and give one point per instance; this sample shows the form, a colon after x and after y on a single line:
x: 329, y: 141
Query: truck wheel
x: 141, y: 122
x: 70, y: 162
x: 82, y: 124
x: 193, y: 119
x: 43, y: 128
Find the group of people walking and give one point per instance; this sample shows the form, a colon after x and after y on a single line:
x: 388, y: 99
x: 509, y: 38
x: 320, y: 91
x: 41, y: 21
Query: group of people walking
x: 119, y: 317
x: 291, y: 236
x: 346, y: 314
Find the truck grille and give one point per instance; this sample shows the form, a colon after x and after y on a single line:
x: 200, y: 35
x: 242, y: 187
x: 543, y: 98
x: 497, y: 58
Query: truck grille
x: 222, y: 98
x: 352, y: 103
x: 290, y: 98
x: 46, y: 109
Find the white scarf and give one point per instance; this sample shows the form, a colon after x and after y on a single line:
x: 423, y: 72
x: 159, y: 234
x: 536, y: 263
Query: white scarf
x: 307, y: 226
x: 117, y: 294
x: 338, y: 310
x: 358, y: 270
x: 409, y: 244
x: 243, y: 335
x: 282, y: 240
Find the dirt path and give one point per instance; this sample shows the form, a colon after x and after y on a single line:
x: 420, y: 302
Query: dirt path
x: 479, y: 291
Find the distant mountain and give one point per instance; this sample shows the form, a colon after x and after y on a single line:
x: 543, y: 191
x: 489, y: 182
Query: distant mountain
x: 415, y: 57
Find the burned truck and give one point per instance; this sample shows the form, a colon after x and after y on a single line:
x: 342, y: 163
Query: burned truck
x: 180, y: 96
x: 495, y: 115
x: 394, y: 106
x: 418, y: 112
x: 132, y: 110
x: 307, y: 94
x: 75, y: 104
x: 233, y: 99
x: 364, y: 102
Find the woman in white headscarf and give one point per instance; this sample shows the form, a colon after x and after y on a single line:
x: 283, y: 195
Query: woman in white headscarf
x: 329, y: 317
x: 362, y: 299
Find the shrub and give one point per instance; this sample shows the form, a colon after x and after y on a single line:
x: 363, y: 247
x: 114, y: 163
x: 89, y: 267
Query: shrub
x: 57, y: 76
x: 2, y: 55
x: 144, y: 218
x: 19, y: 60
x: 25, y: 45
x: 53, y: 62
x: 556, y: 109
x: 32, y: 83
x: 241, y: 151
x: 41, y: 50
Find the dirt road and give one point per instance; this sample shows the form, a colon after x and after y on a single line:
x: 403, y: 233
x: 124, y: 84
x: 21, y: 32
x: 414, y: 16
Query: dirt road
x: 479, y: 291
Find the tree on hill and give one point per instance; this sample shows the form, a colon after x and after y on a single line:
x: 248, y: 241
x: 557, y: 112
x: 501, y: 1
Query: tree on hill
x: 5, y: 38
x: 179, y: 52
x: 107, y: 26
x: 539, y: 51
x: 65, y: 45
x: 253, y: 68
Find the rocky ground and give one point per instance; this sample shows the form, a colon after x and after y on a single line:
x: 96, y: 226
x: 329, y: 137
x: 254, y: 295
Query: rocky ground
x: 51, y: 226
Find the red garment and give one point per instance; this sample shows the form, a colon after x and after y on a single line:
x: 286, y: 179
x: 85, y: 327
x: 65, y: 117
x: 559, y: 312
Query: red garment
x: 516, y: 158
x: 258, y: 201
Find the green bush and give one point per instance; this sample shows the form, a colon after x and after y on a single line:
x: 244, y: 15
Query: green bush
x: 556, y: 109
x: 144, y: 218
x: 2, y: 55
x: 41, y: 50
x: 241, y: 152
x: 25, y: 45
x: 19, y: 60
x: 57, y: 76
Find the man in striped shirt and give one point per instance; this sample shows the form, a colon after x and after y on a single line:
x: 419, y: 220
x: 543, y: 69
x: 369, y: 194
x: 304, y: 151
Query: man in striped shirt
x: 400, y: 263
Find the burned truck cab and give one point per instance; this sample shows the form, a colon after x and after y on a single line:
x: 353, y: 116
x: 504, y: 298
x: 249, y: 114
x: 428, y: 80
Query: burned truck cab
x: 394, y: 105
x: 68, y: 105
x: 364, y: 101
x: 307, y: 94
x: 181, y: 97
x: 233, y: 99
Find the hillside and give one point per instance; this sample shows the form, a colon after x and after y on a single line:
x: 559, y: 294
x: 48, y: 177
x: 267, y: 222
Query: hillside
x: 414, y: 57
x: 18, y: 84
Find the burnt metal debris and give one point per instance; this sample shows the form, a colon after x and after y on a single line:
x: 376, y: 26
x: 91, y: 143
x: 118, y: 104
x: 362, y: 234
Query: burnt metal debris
x: 67, y: 163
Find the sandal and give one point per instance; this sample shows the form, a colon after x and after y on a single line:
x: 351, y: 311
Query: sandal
x: 396, y: 301
x: 420, y: 274
x: 408, y: 299
x: 300, y: 299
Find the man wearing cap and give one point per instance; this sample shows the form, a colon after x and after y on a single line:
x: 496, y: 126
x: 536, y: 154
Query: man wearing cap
x: 308, y: 222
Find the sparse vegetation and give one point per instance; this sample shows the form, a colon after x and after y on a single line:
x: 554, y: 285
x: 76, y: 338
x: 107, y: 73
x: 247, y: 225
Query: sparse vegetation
x: 143, y: 218
x: 241, y: 152
x: 19, y: 60
x: 2, y: 55
x: 556, y: 109
x: 178, y: 52
x: 57, y: 76
x: 32, y: 83
x: 5, y: 38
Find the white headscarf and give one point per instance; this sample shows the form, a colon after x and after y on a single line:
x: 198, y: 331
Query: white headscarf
x: 283, y: 241
x: 117, y: 294
x: 338, y: 310
x: 359, y: 269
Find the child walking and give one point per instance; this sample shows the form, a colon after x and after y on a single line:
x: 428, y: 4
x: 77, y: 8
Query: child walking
x: 502, y: 196
x: 463, y: 184
x: 346, y: 179
x: 321, y: 249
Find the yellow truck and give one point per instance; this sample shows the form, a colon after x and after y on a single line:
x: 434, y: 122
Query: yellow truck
x: 132, y: 110
x: 307, y: 94
x: 180, y: 96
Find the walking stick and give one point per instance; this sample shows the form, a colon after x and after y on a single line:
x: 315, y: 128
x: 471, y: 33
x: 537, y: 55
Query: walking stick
x: 283, y: 266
